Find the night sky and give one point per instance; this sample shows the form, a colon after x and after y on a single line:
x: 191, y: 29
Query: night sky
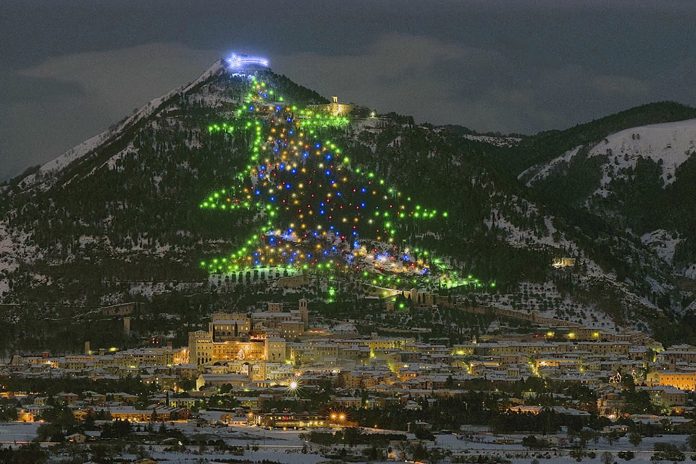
x: 71, y: 68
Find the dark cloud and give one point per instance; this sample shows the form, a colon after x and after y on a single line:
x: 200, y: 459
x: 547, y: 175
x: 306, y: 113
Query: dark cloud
x: 72, y: 68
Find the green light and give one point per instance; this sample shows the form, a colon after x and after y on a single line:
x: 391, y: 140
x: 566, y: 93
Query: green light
x: 309, y: 122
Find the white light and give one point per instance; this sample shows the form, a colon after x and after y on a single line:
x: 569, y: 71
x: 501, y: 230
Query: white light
x: 239, y: 61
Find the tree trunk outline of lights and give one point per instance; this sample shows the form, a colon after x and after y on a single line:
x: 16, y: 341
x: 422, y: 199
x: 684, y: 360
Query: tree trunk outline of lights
x: 315, y: 208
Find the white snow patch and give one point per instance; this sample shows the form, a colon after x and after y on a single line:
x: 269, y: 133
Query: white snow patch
x: 670, y: 143
x: 690, y: 271
x: 662, y: 242
x: 540, y: 172
x: 498, y: 141
x: 45, y: 175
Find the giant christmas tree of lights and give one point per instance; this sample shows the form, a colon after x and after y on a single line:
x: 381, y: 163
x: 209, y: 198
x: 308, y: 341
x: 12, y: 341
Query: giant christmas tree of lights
x: 317, y: 211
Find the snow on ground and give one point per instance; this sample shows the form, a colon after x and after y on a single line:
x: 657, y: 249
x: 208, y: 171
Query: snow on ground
x: 15, y: 248
x: 149, y: 289
x: 68, y: 157
x: 282, y: 446
x: 518, y: 237
x: 540, y: 172
x: 509, y: 446
x: 241, y: 435
x: 506, y: 446
x: 285, y: 447
x: 47, y: 172
x: 670, y: 143
x: 19, y: 432
x: 498, y: 141
x: 545, y: 299
x: 691, y: 307
x: 662, y: 242
x: 690, y: 271
x: 281, y: 457
x: 8, y: 263
x: 217, y: 68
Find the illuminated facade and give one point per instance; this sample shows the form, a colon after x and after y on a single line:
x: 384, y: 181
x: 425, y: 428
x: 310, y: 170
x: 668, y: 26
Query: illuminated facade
x: 334, y: 108
x: 681, y: 380
x: 204, y: 350
x: 256, y: 336
x: 560, y: 263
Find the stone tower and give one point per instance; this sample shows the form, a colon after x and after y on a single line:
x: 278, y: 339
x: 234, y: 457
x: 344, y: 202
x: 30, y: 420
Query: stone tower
x: 304, y: 312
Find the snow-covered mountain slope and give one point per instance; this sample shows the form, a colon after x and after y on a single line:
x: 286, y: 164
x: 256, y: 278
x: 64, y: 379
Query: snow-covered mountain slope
x: 640, y: 179
x: 51, y: 169
x: 669, y: 145
x: 497, y: 141
x: 539, y: 172
x: 120, y: 213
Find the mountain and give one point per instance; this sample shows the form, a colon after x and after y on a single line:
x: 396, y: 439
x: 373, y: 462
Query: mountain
x: 640, y: 180
x: 118, y: 217
x: 545, y: 146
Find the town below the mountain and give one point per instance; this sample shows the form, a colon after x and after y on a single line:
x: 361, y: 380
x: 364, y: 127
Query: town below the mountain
x: 287, y: 382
